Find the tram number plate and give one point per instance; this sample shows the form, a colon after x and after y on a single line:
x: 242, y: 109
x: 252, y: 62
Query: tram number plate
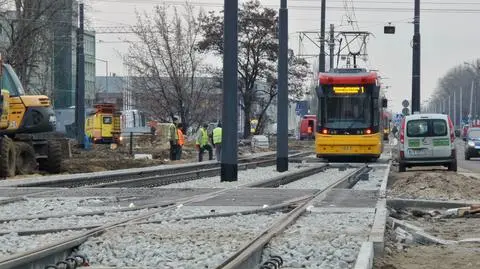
x: 347, y: 147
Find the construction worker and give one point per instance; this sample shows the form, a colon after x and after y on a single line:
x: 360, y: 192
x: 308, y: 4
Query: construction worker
x: 217, y: 141
x: 181, y: 141
x: 173, y: 138
x: 202, y: 143
x: 310, y: 131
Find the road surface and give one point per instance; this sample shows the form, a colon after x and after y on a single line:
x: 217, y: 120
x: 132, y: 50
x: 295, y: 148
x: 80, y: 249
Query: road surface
x: 473, y: 165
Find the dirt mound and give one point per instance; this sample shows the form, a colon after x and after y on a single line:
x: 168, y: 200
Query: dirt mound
x: 434, y: 185
x: 406, y: 255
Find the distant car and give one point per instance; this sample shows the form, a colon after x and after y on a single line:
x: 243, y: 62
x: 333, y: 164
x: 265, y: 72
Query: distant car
x: 472, y: 143
x: 427, y: 140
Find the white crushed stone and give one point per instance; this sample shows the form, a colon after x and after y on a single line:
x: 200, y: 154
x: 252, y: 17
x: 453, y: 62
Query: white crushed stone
x: 33, y: 207
x: 175, y: 244
x: 193, y: 211
x: 67, y: 222
x: 320, y: 180
x: 244, y: 177
x: 12, y: 243
x: 321, y: 240
x: 375, y: 179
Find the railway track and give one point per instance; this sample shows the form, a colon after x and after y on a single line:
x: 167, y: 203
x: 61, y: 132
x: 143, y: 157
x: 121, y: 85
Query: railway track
x: 129, y: 176
x: 188, y: 212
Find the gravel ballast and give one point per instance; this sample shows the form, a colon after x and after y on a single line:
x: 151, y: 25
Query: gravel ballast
x: 319, y: 181
x: 175, y: 244
x: 195, y: 211
x: 33, y: 207
x: 244, y: 177
x: 68, y: 221
x: 375, y: 179
x: 321, y: 240
x: 12, y: 243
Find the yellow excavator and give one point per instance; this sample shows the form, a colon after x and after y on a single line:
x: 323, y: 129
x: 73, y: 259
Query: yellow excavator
x: 27, y: 125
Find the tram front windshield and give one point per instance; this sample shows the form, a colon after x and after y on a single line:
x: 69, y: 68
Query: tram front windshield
x: 348, y: 110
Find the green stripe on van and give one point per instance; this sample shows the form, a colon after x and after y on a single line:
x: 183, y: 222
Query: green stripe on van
x: 414, y: 143
x: 441, y: 142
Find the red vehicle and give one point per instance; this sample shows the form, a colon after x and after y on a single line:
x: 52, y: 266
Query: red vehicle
x: 307, y: 127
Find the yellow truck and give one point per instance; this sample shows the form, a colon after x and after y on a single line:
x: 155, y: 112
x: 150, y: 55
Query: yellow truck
x: 103, y: 126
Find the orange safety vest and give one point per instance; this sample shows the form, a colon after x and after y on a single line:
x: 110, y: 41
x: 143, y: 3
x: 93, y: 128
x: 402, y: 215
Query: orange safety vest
x: 181, y: 139
x: 309, y: 130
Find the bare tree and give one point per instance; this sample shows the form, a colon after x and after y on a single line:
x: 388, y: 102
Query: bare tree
x: 169, y: 76
x: 298, y: 72
x: 28, y: 27
x: 456, y: 79
x: 257, y: 56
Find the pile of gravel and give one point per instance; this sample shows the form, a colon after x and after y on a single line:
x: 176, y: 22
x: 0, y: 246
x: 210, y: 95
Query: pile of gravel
x: 321, y: 240
x: 375, y: 179
x: 244, y: 177
x: 319, y: 181
x: 12, y: 243
x: 202, y: 243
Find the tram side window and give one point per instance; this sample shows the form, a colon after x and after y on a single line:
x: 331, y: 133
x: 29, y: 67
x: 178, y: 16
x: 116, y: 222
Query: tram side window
x: 376, y: 112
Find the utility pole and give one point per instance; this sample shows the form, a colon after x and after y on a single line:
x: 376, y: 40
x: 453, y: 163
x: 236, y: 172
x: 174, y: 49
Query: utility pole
x: 461, y: 105
x: 80, y: 91
x: 229, y: 165
x: 449, y: 106
x: 455, y: 122
x: 321, y: 66
x: 416, y: 60
x: 282, y: 113
x: 471, y: 99
x: 332, y: 45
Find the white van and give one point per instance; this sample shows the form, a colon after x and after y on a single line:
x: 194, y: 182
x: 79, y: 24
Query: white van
x: 427, y: 140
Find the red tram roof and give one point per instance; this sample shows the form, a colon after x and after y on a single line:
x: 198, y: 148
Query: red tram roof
x: 348, y: 78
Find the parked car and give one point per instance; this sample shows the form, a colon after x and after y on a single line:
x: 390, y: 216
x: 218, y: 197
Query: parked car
x: 472, y: 143
x: 427, y: 140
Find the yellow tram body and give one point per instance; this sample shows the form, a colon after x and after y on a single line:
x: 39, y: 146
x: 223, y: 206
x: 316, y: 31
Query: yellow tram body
x: 350, y: 115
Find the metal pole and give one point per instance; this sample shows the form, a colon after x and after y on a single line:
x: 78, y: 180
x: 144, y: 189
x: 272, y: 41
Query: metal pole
x: 455, y: 122
x: 282, y: 106
x: 321, y: 65
x: 131, y: 144
x: 461, y: 106
x: 80, y: 94
x: 332, y: 45
x: 416, y: 60
x: 229, y: 165
x: 449, y: 106
x: 471, y: 99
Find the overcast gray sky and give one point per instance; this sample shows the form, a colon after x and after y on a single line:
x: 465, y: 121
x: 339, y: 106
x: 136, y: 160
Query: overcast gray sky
x: 448, y: 34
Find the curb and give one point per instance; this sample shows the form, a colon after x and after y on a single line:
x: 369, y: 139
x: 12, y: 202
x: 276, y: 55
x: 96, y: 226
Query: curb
x: 365, y: 256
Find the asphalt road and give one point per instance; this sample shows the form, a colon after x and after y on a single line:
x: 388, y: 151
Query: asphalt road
x: 472, y: 165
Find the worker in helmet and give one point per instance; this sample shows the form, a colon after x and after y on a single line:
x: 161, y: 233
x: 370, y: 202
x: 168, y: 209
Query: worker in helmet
x: 217, y: 141
x: 202, y: 143
x: 181, y: 141
x: 173, y: 138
